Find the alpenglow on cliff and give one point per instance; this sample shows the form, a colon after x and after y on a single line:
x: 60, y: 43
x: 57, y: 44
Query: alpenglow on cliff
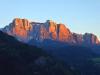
x: 26, y: 31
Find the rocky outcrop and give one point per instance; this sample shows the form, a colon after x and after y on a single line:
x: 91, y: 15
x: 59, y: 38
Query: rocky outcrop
x: 21, y: 27
x: 90, y: 39
x: 64, y: 33
x: 53, y: 30
x: 78, y: 38
x: 59, y: 32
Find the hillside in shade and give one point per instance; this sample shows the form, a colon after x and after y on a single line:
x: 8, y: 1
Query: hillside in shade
x: 17, y: 58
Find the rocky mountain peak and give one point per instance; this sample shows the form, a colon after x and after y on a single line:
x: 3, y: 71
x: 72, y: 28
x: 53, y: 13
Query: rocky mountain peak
x: 64, y: 33
x: 20, y: 28
x: 22, y: 23
x: 91, y: 38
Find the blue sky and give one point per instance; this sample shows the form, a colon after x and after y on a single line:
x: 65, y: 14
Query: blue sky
x: 79, y: 15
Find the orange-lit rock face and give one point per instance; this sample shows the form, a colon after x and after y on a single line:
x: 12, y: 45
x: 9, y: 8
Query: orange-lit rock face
x: 53, y: 30
x: 20, y: 27
x: 64, y: 33
x: 95, y: 40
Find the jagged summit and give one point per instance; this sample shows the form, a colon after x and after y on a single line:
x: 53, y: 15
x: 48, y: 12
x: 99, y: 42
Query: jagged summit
x: 26, y: 31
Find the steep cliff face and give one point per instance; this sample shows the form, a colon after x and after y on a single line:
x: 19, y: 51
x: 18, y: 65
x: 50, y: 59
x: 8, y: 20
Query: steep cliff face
x: 90, y: 39
x: 21, y: 27
x: 64, y: 33
x: 78, y: 38
x: 85, y: 39
x: 25, y: 31
x: 42, y: 33
x: 53, y: 30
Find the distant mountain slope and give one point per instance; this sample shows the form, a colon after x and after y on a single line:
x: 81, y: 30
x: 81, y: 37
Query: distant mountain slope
x: 25, y: 31
x: 17, y: 58
x: 79, y: 57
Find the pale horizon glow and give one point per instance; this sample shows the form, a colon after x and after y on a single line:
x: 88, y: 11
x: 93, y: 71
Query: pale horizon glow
x: 79, y: 16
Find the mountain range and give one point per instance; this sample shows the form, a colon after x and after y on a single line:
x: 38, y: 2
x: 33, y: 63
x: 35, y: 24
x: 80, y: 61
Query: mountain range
x: 26, y: 31
x: 80, y: 51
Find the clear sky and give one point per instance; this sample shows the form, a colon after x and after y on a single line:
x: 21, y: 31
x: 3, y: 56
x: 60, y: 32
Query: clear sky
x: 79, y: 15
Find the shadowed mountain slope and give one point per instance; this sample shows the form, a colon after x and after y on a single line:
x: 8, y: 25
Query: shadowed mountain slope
x: 17, y: 58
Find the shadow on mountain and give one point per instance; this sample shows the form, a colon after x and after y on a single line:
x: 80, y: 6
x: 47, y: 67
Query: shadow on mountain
x: 79, y: 57
x: 17, y: 58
